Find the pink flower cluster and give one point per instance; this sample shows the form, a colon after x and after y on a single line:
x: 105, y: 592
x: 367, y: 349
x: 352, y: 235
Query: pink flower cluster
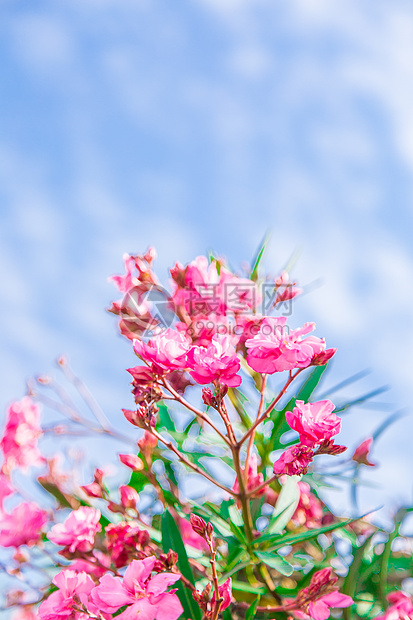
x: 316, y: 424
x: 22, y: 526
x: 19, y: 440
x: 322, y: 594
x: 275, y: 349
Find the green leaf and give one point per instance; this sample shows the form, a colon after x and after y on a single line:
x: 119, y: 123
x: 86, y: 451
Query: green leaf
x: 252, y: 609
x: 164, y: 417
x: 171, y: 539
x: 285, y: 506
x: 276, y: 562
x: 293, y: 539
x: 258, y: 258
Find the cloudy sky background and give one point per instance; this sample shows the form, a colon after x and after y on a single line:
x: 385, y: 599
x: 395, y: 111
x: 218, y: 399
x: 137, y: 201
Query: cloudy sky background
x: 196, y: 125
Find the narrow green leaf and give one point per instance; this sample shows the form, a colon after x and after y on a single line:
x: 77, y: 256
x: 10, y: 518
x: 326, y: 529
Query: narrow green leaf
x: 171, y: 539
x: 164, y: 417
x: 258, y: 258
x: 276, y: 562
x: 252, y: 609
x: 293, y: 539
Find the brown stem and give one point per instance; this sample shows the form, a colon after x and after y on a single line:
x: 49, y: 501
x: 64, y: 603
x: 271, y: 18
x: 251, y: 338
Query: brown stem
x: 252, y: 436
x: 184, y: 460
x: 262, y: 485
x: 270, y: 407
x: 242, y: 495
x: 218, y: 599
x: 200, y: 414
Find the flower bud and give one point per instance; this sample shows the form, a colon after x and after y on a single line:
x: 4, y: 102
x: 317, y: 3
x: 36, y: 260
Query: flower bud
x: 128, y: 497
x: 132, y: 461
x: 93, y: 490
x: 361, y: 453
x: 198, y: 525
x: 322, y: 358
x: 208, y: 398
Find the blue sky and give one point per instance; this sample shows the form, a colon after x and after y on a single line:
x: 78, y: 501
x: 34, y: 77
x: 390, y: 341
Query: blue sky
x: 195, y: 125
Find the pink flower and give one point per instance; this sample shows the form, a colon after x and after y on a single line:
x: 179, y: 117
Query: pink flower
x: 190, y: 537
x: 74, y: 591
x: 361, y: 453
x: 294, y: 461
x: 309, y: 511
x: 123, y: 540
x: 316, y: 600
x: 314, y: 422
x: 165, y: 352
x: 225, y: 592
x: 78, y: 530
x: 22, y: 526
x: 254, y: 479
x: 274, y: 349
x: 401, y: 607
x: 216, y: 362
x: 19, y: 441
x: 142, y: 595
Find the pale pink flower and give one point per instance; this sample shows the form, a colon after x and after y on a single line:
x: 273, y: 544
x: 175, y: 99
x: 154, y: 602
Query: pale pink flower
x: 401, y: 607
x: 19, y: 441
x: 144, y: 596
x: 314, y: 422
x: 309, y: 511
x: 294, y: 461
x: 361, y: 453
x: 167, y: 351
x: 78, y: 531
x: 190, y: 537
x: 275, y: 349
x: 126, y: 281
x: 254, y: 479
x: 225, y: 592
x: 74, y: 592
x: 5, y: 489
x: 22, y: 526
x: 216, y: 362
x: 97, y: 569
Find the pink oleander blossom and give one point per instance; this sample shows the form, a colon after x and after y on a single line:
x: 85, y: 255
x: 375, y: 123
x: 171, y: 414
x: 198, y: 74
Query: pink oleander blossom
x: 20, y: 436
x: 74, y: 592
x: 225, y: 592
x: 322, y: 594
x: 216, y: 362
x: 165, y: 352
x: 275, y: 349
x: 22, y: 526
x: 294, y: 461
x: 145, y: 597
x: 401, y: 607
x: 314, y: 422
x: 124, y: 540
x: 78, y: 531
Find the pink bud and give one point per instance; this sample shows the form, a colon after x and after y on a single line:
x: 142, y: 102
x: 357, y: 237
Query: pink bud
x: 92, y: 490
x: 198, y: 525
x: 322, y: 358
x: 361, y: 453
x: 148, y: 442
x: 132, y: 461
x: 208, y: 398
x: 128, y: 497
